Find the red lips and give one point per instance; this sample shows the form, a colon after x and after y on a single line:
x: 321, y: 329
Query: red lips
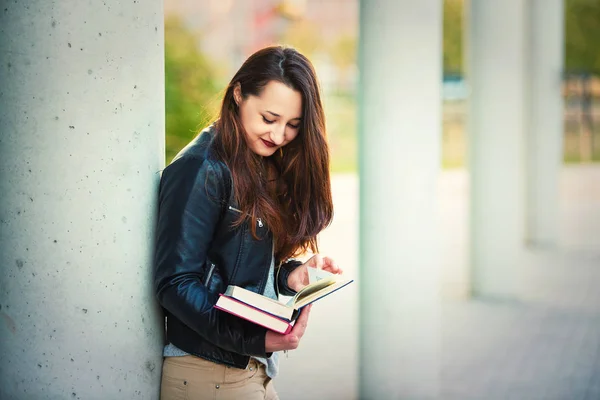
x: 268, y: 144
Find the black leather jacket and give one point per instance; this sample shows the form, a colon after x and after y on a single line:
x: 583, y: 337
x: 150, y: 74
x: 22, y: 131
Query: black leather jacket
x: 198, y: 254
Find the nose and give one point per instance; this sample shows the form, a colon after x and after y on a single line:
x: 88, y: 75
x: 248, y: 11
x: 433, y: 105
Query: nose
x: 277, y: 135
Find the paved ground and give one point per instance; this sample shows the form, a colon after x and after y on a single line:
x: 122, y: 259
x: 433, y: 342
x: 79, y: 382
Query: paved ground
x: 546, y: 345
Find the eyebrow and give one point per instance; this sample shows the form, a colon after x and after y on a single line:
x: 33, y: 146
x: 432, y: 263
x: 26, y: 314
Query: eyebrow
x: 277, y: 115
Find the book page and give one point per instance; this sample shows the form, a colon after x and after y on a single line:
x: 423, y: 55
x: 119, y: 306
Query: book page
x: 309, y: 297
x: 316, y: 274
x: 310, y: 289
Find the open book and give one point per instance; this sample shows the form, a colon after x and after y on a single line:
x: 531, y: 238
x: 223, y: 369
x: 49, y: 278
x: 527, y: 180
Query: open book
x: 273, y: 314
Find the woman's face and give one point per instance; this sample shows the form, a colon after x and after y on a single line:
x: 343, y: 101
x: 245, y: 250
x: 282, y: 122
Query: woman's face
x: 272, y: 119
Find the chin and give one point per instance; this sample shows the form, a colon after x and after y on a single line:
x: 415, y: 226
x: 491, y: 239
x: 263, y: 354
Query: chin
x: 264, y: 152
x: 269, y: 153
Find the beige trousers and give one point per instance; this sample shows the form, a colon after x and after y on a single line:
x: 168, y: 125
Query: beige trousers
x: 193, y: 378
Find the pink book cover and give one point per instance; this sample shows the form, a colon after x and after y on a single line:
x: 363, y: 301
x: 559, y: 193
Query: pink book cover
x: 289, y: 326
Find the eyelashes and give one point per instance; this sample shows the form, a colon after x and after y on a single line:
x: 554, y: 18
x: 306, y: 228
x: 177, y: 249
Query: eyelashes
x: 268, y: 121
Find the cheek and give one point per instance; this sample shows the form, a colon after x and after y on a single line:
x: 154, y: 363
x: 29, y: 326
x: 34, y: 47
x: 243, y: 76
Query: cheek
x: 291, y: 134
x: 246, y: 120
x: 253, y: 125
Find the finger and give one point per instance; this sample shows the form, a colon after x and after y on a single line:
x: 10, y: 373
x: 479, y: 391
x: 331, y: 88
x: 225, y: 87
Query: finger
x: 301, y: 322
x: 331, y: 266
x: 336, y: 271
x: 292, y: 341
x: 304, y: 313
x: 316, y: 261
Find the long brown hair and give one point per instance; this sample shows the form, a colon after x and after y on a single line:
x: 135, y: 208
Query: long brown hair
x: 290, y: 191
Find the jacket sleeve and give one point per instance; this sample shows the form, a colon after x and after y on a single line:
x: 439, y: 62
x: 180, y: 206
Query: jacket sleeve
x: 283, y: 274
x: 190, y: 204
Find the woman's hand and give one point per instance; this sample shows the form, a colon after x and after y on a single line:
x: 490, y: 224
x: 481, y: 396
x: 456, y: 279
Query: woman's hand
x: 276, y: 341
x: 299, y: 277
x: 297, y: 280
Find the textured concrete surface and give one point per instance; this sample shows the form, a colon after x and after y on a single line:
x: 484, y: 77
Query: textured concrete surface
x: 81, y: 145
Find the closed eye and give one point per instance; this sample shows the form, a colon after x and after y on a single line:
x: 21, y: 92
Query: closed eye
x: 294, y: 126
x: 268, y: 121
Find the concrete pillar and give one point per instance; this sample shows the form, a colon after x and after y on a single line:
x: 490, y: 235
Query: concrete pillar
x: 399, y: 140
x: 497, y: 77
x: 545, y: 135
x: 82, y: 122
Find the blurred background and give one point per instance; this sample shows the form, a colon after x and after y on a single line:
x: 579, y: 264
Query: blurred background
x: 541, y: 342
x: 205, y: 43
x: 465, y: 141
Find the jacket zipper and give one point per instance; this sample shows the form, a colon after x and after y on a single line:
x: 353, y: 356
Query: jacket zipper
x: 260, y: 225
x: 258, y: 220
x: 277, y: 279
x: 210, y: 272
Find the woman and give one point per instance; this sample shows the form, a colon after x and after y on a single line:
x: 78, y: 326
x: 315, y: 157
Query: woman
x: 246, y: 195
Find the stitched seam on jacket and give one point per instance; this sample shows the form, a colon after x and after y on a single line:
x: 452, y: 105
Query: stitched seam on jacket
x: 239, y: 256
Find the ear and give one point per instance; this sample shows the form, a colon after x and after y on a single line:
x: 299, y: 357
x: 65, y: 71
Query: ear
x: 237, y: 93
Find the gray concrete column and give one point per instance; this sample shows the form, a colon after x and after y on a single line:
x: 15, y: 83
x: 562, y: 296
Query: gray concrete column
x: 497, y: 77
x: 82, y: 123
x: 400, y: 61
x: 545, y: 134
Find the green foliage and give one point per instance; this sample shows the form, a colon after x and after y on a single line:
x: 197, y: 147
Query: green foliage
x: 582, y: 35
x: 343, y: 51
x: 340, y: 114
x: 191, y: 92
x: 453, y: 36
